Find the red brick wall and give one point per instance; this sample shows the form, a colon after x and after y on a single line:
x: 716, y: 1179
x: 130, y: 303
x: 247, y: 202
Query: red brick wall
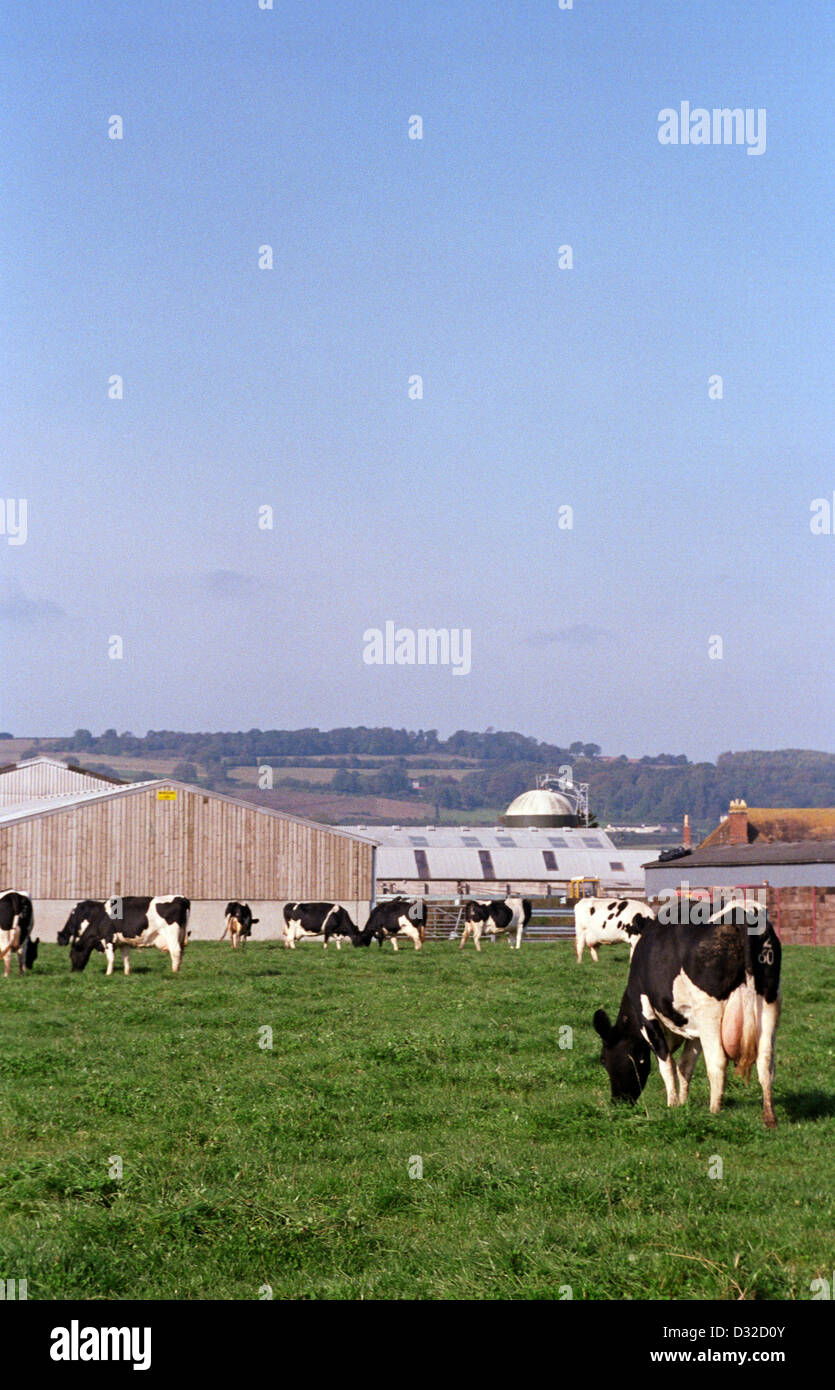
x: 792, y: 915
x: 796, y: 919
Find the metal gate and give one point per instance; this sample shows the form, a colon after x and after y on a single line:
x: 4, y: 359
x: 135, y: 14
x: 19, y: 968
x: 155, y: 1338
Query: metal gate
x: 549, y: 922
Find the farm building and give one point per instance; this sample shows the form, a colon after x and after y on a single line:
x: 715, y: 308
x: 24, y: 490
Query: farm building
x: 538, y: 849
x: 165, y: 836
x: 789, y: 853
x: 40, y: 777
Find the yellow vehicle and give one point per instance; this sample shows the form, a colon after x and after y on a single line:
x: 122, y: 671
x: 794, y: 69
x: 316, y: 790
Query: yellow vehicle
x: 583, y: 888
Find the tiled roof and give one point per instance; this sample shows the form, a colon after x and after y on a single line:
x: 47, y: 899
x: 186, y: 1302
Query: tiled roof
x: 780, y: 825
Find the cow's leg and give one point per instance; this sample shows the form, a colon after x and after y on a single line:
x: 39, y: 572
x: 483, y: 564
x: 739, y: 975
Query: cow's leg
x: 689, y: 1056
x: 667, y: 1068
x: 593, y: 952
x: 716, y: 1061
x: 478, y: 928
x: 5, y: 951
x: 769, y: 1018
x: 339, y: 943
x: 176, y: 952
x: 519, y: 934
x: 412, y: 933
x: 465, y: 933
x: 125, y: 959
x: 394, y: 942
x: 110, y: 957
x: 14, y: 948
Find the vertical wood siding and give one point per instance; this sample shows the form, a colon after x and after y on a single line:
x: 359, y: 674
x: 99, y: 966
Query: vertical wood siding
x: 198, y: 845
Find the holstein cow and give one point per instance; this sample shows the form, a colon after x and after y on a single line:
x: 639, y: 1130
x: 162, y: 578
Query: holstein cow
x: 239, y: 923
x: 16, y: 922
x: 602, y: 921
x: 502, y: 915
x: 396, y: 917
x: 127, y: 923
x: 714, y: 987
x: 317, y: 919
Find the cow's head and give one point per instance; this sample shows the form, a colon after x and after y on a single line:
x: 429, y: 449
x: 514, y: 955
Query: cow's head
x: 625, y: 1055
x: 80, y: 952
x: 30, y: 952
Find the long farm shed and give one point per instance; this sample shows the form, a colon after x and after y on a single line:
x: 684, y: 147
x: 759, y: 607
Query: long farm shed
x: 168, y: 837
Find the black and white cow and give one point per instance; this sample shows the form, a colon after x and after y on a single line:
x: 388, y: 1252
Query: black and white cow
x: 317, y: 919
x: 16, y: 922
x: 715, y: 988
x: 396, y: 917
x: 128, y: 923
x: 510, y: 915
x: 602, y: 921
x: 239, y: 923
x: 87, y: 916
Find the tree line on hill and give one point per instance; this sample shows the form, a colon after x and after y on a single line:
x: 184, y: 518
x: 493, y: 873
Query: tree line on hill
x: 491, y: 745
x: 500, y: 765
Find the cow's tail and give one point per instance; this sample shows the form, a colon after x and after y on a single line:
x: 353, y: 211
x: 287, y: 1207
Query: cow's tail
x: 25, y: 916
x: 750, y: 1024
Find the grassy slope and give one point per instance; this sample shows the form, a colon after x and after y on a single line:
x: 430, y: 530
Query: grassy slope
x: 289, y: 1167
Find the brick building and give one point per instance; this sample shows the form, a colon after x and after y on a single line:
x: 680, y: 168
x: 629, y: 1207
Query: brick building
x: 787, y: 852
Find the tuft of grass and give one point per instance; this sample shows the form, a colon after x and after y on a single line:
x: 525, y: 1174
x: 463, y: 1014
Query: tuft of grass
x: 242, y: 1165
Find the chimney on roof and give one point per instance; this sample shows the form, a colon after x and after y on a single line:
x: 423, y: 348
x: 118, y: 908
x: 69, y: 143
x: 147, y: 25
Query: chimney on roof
x: 686, y: 837
x: 738, y: 823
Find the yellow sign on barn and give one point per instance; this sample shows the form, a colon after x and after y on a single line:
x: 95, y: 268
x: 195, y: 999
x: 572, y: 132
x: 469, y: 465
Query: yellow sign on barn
x: 166, y: 795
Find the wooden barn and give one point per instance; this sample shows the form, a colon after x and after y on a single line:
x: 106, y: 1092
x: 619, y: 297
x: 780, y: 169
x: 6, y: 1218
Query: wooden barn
x: 168, y: 837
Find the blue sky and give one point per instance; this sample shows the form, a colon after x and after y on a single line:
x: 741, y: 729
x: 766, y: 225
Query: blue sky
x: 542, y: 387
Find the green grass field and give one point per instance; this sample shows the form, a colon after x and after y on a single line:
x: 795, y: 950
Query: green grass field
x: 244, y: 1166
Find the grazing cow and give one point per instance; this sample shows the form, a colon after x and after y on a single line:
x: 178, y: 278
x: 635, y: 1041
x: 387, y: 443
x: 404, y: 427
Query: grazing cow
x: 317, y: 919
x: 239, y: 923
x: 397, y: 917
x: 16, y: 922
x: 716, y: 988
x: 602, y: 921
x: 502, y: 915
x: 127, y: 923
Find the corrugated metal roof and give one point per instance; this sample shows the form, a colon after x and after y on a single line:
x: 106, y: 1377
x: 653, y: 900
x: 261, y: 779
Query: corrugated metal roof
x: 47, y: 806
x: 492, y: 837
x: 43, y: 805
x: 43, y: 778
x: 516, y: 854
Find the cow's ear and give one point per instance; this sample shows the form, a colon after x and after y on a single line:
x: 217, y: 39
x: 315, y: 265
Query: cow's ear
x: 602, y: 1025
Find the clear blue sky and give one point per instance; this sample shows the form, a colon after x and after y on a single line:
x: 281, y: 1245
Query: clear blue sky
x: 394, y: 256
